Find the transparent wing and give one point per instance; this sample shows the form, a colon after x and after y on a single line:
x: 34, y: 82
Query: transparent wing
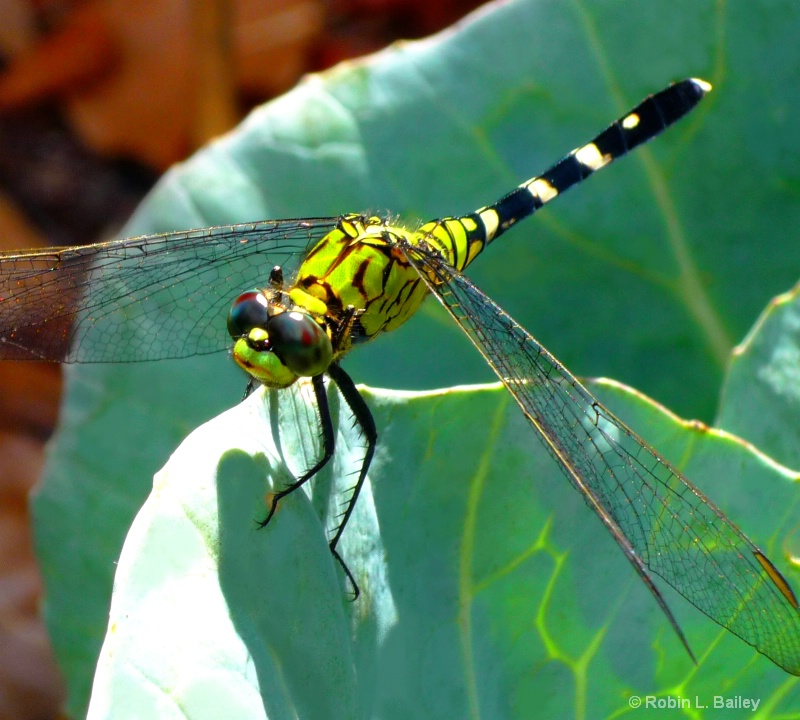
x: 662, y: 522
x: 146, y: 298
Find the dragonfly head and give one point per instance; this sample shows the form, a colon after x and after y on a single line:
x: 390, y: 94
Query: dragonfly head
x: 274, y: 344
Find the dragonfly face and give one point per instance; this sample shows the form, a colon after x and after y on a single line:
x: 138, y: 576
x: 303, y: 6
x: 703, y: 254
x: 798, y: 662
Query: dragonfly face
x: 286, y: 346
x: 276, y: 342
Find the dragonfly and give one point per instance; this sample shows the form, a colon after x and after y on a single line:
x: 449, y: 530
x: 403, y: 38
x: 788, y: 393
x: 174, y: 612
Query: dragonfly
x: 313, y: 289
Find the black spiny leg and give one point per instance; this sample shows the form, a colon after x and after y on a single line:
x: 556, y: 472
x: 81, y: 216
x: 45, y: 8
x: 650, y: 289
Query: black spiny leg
x: 327, y: 448
x: 366, y: 422
x: 251, y: 385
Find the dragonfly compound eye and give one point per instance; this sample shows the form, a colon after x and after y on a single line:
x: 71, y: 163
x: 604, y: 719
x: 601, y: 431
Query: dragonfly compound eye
x: 249, y: 310
x: 300, y: 343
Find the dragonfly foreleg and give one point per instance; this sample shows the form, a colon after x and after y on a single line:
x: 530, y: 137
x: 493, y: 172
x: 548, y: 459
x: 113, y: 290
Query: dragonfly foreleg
x: 328, y: 442
x: 248, y: 391
x: 347, y: 330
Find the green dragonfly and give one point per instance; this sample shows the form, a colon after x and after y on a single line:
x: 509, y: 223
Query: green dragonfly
x: 338, y: 282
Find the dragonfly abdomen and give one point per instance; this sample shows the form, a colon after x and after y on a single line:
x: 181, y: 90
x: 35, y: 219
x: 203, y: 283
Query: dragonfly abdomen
x: 460, y: 240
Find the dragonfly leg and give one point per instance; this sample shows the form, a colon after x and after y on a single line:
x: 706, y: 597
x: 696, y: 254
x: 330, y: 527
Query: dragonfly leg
x: 251, y: 384
x: 328, y: 444
x: 327, y: 447
x: 366, y: 422
x: 347, y: 328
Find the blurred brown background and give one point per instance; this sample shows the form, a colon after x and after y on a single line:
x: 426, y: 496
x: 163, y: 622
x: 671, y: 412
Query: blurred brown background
x: 97, y: 99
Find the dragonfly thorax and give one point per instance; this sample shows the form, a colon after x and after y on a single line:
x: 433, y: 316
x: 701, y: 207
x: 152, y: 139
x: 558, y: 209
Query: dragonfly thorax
x: 360, y: 269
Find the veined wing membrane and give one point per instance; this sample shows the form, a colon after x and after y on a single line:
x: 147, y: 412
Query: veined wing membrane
x: 662, y: 522
x: 147, y: 298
